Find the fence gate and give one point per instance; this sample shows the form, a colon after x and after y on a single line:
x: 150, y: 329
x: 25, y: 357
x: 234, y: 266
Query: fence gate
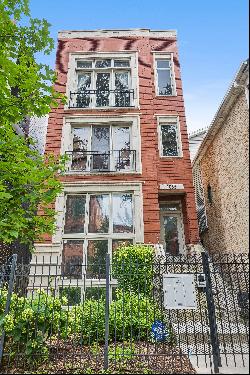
x: 212, y: 321
x: 172, y: 315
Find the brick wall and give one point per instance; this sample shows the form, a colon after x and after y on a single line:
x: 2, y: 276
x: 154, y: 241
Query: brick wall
x: 155, y: 171
x: 225, y: 166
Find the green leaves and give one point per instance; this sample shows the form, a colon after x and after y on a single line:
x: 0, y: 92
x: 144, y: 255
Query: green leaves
x: 27, y: 180
x: 133, y: 268
x: 25, y: 85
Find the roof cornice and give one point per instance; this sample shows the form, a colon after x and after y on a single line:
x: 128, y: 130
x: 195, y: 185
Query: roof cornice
x: 81, y: 34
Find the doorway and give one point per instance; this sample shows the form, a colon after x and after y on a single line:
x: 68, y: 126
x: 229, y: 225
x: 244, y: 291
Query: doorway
x: 172, y: 228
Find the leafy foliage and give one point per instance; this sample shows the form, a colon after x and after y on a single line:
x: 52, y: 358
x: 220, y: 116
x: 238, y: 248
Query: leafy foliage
x: 26, y: 181
x: 26, y: 89
x: 25, y: 85
x: 31, y: 321
x: 132, y: 267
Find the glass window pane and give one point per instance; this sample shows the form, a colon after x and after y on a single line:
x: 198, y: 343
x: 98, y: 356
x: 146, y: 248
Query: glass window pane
x: 122, y: 213
x: 81, y: 138
x: 72, y: 259
x: 171, y: 235
x: 121, y: 63
x: 164, y: 82
x: 103, y: 63
x: 96, y: 259
x: 75, y: 214
x: 121, y: 148
x: 102, y: 89
x: 100, y: 148
x: 122, y: 97
x: 99, y: 212
x: 121, y: 138
x: 83, y: 87
x: 118, y: 243
x: 163, y: 64
x: 169, y: 140
x: 170, y: 207
x: 84, y: 64
x: 80, y: 146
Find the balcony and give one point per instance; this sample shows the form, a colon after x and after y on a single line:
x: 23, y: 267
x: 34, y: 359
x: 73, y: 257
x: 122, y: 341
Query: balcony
x: 104, y: 162
x: 101, y: 98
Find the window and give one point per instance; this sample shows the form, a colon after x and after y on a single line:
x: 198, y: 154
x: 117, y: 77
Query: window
x: 95, y: 224
x: 209, y: 194
x: 169, y: 137
x: 102, y: 148
x: 164, y: 72
x: 102, y: 82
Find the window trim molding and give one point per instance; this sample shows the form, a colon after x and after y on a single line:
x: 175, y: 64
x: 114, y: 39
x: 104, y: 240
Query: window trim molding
x: 162, y: 120
x: 135, y: 189
x: 162, y: 56
x: 133, y: 120
x: 72, y: 76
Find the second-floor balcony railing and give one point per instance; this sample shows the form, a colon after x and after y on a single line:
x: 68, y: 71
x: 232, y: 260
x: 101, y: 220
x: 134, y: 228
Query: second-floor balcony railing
x: 101, y: 98
x: 96, y: 161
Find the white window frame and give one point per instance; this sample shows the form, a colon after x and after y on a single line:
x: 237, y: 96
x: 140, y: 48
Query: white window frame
x: 165, y: 120
x: 97, y: 188
x: 180, y: 223
x: 170, y: 57
x: 123, y: 120
x: 111, y: 142
x: 72, y: 76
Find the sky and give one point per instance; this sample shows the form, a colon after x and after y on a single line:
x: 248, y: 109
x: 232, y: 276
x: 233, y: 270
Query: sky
x: 212, y: 39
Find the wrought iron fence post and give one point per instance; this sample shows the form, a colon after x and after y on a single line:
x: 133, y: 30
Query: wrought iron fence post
x: 106, y: 348
x: 8, y: 301
x: 211, y: 314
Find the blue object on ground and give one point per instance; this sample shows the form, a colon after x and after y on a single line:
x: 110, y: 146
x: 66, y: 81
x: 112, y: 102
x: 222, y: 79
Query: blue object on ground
x: 159, y: 331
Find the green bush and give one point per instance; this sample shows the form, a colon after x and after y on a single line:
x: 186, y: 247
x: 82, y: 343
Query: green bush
x: 133, y: 268
x: 131, y: 318
x: 31, y: 321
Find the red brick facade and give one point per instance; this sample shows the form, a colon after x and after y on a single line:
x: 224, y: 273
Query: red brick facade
x: 155, y: 170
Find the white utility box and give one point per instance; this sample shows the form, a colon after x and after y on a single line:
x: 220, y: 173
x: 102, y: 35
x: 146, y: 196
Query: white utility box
x: 179, y: 291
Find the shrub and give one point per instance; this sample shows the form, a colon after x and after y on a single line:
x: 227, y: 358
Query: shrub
x: 133, y: 268
x: 131, y: 318
x: 31, y: 321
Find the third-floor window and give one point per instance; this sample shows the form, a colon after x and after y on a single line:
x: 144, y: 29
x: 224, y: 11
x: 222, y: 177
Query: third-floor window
x: 164, y: 72
x: 103, y: 82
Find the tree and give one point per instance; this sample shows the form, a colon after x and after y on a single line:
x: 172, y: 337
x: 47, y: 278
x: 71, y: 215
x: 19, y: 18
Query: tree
x: 27, y: 179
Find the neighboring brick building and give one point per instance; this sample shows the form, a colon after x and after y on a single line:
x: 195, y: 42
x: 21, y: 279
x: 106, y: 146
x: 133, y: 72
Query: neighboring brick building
x: 221, y: 172
x: 129, y: 176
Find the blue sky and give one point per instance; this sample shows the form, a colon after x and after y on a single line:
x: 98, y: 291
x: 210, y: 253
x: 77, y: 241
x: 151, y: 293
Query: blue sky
x: 212, y: 38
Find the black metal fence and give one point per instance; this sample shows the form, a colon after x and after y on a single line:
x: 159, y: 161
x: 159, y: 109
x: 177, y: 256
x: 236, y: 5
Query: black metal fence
x: 97, y: 161
x: 170, y: 316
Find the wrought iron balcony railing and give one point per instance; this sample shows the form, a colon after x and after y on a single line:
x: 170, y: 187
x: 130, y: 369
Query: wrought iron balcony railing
x: 101, y: 98
x: 96, y: 161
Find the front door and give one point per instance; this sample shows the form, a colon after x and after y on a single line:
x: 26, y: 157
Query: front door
x: 172, y: 232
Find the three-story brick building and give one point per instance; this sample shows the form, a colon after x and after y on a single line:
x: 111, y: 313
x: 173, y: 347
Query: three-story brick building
x: 129, y: 176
